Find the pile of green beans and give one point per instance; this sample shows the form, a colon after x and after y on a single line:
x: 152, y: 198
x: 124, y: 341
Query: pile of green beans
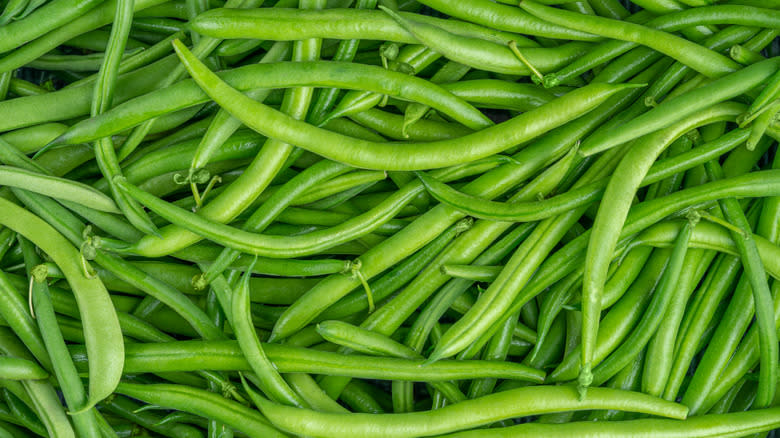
x: 389, y: 218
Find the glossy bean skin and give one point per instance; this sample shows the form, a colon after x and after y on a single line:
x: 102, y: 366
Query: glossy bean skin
x: 64, y: 370
x: 406, y: 156
x: 203, y: 403
x: 612, y: 213
x: 355, y: 23
x: 57, y: 187
x: 277, y: 246
x: 656, y: 309
x: 485, y: 54
x: 720, y: 426
x: 762, y: 297
x: 95, y: 18
x: 441, y: 216
x: 720, y: 14
x: 103, y: 334
x: 21, y: 322
x: 21, y: 369
x: 73, y: 102
x: 464, y: 415
x: 275, y: 75
x: 274, y: 205
x: 54, y: 14
x: 241, y: 320
x: 710, y: 236
x: 719, y: 90
x: 504, y: 17
x: 226, y: 356
x: 395, y: 150
x: 701, y: 59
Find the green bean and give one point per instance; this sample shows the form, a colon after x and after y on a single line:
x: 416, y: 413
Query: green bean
x: 102, y: 331
x: 224, y: 123
x: 364, y: 341
x: 369, y: 342
x: 670, y: 22
x: 21, y: 369
x: 308, y: 388
x: 89, y: 62
x: 13, y: 10
x: 628, y: 379
x: 762, y: 297
x: 203, y: 47
x: 8, y: 430
x: 271, y: 382
x: 505, y: 17
x: 527, y: 211
x: 358, y: 397
x: 21, y: 409
x: 410, y: 60
x: 16, y: 315
x: 619, y: 320
x: 125, y: 408
x: 398, y: 276
x: 354, y: 24
x: 746, y: 356
x: 767, y: 94
x: 285, y: 74
x: 35, y: 137
x: 203, y: 403
x: 491, y: 93
x: 48, y: 407
x: 612, y: 213
x: 400, y: 157
x: 243, y: 144
x: 267, y: 266
x: 485, y: 54
x: 715, y: 287
x: 274, y: 205
x: 195, y: 316
x: 62, y: 364
x: 74, y: 102
x: 463, y: 415
x: 677, y: 108
x: 346, y: 52
x: 497, y: 350
x: 662, y: 345
x: 472, y: 272
x: 226, y: 356
x: 710, y: 426
x: 550, y: 309
x: 57, y: 187
x: 655, y: 312
x: 441, y: 217
x: 276, y: 246
x: 710, y: 236
x: 392, y: 126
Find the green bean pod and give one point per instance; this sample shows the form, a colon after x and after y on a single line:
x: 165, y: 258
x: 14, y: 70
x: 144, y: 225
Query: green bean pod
x: 102, y: 331
x: 710, y: 426
x: 464, y: 415
x: 227, y: 356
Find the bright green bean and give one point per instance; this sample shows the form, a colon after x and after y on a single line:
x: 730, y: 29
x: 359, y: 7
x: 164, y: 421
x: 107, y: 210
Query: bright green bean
x: 464, y: 415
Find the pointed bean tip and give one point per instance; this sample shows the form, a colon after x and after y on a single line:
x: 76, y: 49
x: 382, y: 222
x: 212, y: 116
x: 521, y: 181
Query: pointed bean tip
x: 435, y: 356
x: 89, y: 405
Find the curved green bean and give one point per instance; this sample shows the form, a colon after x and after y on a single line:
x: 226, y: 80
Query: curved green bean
x: 274, y: 75
x: 101, y: 326
x: 464, y: 415
x: 407, y: 156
